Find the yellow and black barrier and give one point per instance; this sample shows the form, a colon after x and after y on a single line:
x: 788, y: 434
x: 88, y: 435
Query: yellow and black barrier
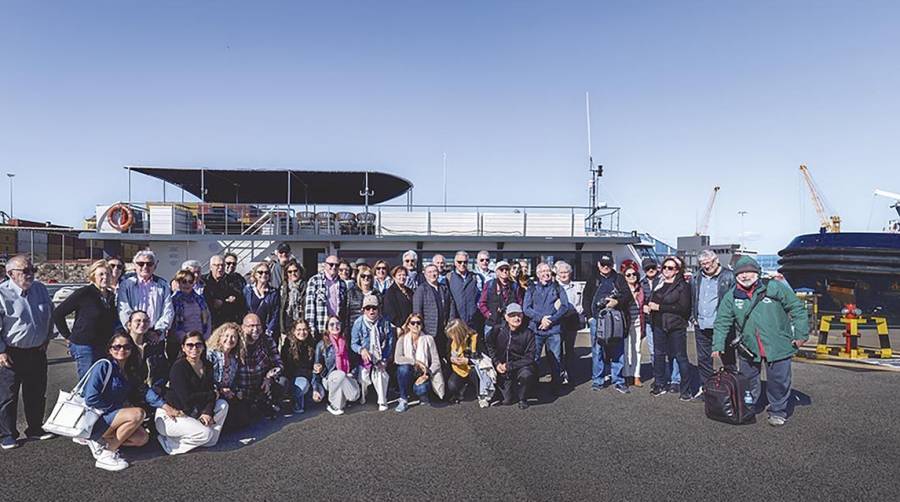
x: 850, y: 349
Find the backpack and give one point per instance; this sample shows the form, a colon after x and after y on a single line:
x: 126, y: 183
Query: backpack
x: 726, y: 398
x: 610, y: 325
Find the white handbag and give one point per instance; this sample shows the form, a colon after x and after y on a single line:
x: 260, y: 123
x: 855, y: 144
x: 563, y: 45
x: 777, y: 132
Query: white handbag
x: 71, y: 417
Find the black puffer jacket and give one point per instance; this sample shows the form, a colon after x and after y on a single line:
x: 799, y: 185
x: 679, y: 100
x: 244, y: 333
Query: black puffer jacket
x: 674, y: 301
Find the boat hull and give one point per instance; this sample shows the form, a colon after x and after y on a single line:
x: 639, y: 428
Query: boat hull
x: 860, y: 268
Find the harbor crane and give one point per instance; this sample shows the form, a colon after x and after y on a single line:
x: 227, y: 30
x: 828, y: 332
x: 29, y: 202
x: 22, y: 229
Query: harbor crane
x: 703, y: 224
x: 829, y: 223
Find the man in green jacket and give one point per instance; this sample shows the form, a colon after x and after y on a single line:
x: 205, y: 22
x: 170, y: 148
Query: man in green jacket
x: 771, y: 323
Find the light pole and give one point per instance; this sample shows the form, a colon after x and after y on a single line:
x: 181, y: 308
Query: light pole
x: 741, y: 241
x: 10, y: 176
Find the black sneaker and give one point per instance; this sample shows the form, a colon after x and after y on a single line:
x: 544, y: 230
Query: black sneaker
x: 686, y: 397
x: 657, y: 391
x: 622, y: 388
x: 674, y: 388
x: 523, y: 405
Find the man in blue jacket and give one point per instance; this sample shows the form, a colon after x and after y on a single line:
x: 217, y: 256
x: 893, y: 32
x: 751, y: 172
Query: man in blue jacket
x: 465, y: 287
x: 546, y: 304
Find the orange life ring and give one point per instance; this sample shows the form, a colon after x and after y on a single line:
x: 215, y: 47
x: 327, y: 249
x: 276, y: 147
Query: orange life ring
x: 120, y: 217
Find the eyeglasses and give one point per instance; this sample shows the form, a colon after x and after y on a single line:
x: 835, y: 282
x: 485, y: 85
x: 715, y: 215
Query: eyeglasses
x: 331, y: 264
x: 484, y: 259
x: 603, y: 265
x: 415, y: 323
x: 116, y: 265
x: 263, y: 272
x: 461, y: 262
x: 194, y: 345
x: 409, y: 261
x: 370, y: 307
x: 230, y: 263
x: 186, y: 281
x: 142, y: 264
x: 293, y: 271
x: 26, y: 271
x: 365, y: 276
x: 503, y: 269
x: 670, y: 267
x: 630, y: 274
x: 334, y: 324
x: 380, y: 268
x: 118, y: 347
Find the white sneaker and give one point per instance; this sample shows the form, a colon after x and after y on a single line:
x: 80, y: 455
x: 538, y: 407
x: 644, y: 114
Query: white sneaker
x: 483, y: 402
x: 334, y: 411
x: 382, y: 407
x: 95, y: 447
x: 110, y: 461
x: 81, y: 441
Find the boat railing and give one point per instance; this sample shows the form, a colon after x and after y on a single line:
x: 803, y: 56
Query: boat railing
x: 196, y: 218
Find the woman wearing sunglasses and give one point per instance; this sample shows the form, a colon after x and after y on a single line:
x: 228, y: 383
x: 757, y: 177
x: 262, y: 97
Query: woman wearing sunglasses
x: 115, y: 386
x: 669, y: 307
x: 364, y: 286
x: 293, y: 296
x: 382, y: 280
x: 634, y: 321
x: 263, y: 299
x: 332, y: 369
x: 418, y: 363
x: 196, y: 413
x: 191, y: 313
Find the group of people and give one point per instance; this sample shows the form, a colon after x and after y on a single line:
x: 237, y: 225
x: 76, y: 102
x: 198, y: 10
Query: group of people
x: 188, y: 357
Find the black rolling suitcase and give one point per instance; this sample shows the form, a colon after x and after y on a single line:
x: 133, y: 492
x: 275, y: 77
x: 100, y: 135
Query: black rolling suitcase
x: 726, y: 397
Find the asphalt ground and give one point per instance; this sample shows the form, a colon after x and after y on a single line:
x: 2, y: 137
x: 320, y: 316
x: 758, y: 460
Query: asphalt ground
x: 842, y: 442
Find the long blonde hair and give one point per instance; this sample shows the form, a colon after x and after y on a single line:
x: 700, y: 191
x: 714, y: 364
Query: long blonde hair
x: 459, y: 333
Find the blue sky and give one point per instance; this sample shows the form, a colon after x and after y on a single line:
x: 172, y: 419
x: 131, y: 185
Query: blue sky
x: 685, y: 95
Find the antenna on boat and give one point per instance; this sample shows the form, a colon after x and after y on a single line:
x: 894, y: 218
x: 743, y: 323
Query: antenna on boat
x: 594, y: 223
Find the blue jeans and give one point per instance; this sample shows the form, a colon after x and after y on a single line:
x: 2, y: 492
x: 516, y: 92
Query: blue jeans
x: 671, y: 344
x: 778, y: 384
x: 406, y: 376
x: 601, y: 353
x: 553, y: 344
x: 300, y: 388
x: 675, y: 377
x: 84, y: 356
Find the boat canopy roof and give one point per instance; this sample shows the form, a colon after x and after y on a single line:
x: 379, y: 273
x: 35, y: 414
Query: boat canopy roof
x: 270, y: 186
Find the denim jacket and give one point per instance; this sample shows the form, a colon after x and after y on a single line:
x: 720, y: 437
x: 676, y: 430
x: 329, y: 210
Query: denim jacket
x: 360, y: 337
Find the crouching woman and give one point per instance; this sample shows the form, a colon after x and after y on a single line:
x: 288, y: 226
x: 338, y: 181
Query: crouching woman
x: 196, y: 413
x: 114, y: 386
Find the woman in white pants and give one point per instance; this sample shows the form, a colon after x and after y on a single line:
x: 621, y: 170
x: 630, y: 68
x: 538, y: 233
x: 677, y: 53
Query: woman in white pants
x: 197, y: 413
x: 635, y: 321
x: 332, y: 370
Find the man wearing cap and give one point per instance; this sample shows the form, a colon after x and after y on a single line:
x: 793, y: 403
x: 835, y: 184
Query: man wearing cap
x: 372, y: 339
x: 496, y: 295
x: 512, y: 350
x: 771, y: 323
x: 546, y: 304
x: 652, y: 280
x: 605, y: 283
x: 708, y: 288
x: 282, y: 256
x: 25, y: 331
